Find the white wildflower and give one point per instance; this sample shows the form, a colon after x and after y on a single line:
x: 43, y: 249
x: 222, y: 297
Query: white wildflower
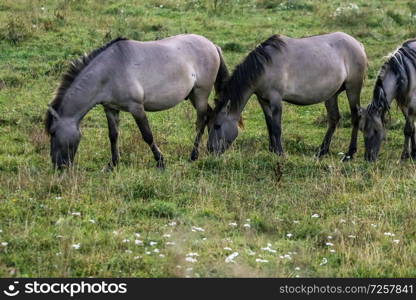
x: 194, y: 229
x: 129, y: 251
x: 91, y: 221
x: 352, y: 236
x: 329, y: 237
x: 329, y: 244
x: 153, y: 243
x: 396, y: 241
x: 389, y: 234
x: 296, y: 221
x: 250, y: 252
x: 246, y: 225
x: 156, y: 250
x: 324, y: 261
x: 170, y: 243
x: 228, y: 249
x: 137, y: 234
x: 75, y: 213
x: 138, y: 242
x: 126, y: 241
x: 297, y: 268
x: 289, y: 235
x: 191, y: 254
x: 230, y: 258
x: 173, y: 223
x: 4, y: 244
x: 268, y: 249
x: 191, y: 259
x: 233, y: 224
x: 76, y: 246
x: 161, y: 255
x: 166, y: 235
x: 315, y: 216
x: 260, y: 260
x: 332, y: 250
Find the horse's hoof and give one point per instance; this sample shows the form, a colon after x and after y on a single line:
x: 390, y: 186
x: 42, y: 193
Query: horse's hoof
x: 108, y: 168
x: 194, y: 156
x: 160, y: 165
x: 346, y: 158
x: 405, y: 156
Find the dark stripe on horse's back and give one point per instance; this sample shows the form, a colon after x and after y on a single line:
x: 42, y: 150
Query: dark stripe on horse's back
x: 247, y: 72
x: 75, y: 68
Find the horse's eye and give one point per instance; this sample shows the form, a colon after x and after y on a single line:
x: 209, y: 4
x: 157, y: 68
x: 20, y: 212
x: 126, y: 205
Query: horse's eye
x: 216, y: 126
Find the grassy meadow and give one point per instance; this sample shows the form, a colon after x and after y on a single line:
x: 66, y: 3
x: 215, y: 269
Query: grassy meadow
x: 294, y: 216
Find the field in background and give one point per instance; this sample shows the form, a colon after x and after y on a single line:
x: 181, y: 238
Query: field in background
x: 291, y: 216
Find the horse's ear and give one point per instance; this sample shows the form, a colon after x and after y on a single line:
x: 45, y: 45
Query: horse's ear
x: 53, y: 112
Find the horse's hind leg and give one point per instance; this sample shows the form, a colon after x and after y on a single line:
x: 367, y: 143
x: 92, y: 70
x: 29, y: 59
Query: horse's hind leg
x: 199, y: 99
x: 268, y: 118
x: 112, y: 121
x: 353, y: 94
x: 408, y: 135
x: 143, y: 124
x: 333, y: 116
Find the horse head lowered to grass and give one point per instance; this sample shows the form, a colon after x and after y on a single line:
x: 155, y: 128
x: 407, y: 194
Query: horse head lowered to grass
x: 299, y: 71
x: 396, y: 80
x: 132, y: 76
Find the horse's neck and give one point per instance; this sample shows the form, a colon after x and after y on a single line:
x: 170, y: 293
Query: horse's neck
x: 237, y: 107
x: 80, y: 98
x: 390, y: 87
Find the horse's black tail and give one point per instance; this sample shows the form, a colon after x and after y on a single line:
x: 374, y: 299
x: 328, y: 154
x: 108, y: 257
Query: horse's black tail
x: 222, y: 76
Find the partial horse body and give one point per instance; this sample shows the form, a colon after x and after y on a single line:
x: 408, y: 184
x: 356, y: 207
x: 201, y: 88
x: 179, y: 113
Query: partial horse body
x: 132, y: 76
x: 396, y: 80
x: 299, y: 71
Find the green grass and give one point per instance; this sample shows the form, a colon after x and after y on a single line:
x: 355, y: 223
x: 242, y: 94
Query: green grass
x: 43, y: 214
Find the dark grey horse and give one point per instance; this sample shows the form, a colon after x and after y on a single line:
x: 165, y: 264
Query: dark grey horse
x: 299, y: 71
x: 396, y: 80
x: 135, y: 77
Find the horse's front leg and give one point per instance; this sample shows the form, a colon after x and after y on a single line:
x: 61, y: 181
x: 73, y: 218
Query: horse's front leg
x: 268, y: 118
x: 275, y: 101
x: 199, y: 100
x: 409, y: 132
x: 143, y: 124
x: 112, y: 122
x: 333, y: 117
x: 353, y: 91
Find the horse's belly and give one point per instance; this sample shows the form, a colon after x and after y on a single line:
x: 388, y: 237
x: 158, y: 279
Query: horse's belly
x: 165, y: 99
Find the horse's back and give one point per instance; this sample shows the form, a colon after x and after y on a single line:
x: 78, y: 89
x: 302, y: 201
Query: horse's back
x: 162, y: 73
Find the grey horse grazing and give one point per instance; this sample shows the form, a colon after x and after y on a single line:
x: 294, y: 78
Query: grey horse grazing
x: 134, y: 77
x: 299, y: 71
x: 396, y: 80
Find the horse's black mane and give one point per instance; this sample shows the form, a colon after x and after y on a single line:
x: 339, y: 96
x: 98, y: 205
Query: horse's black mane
x: 247, y: 72
x: 398, y: 63
x: 75, y: 67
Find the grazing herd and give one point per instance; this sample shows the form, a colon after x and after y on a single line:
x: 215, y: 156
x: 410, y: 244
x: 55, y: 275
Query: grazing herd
x: 135, y: 77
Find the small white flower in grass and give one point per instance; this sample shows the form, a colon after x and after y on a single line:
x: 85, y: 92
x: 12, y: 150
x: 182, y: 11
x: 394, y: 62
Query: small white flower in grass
x: 297, y: 269
x: 189, y: 269
x: 324, y: 261
x: 373, y: 225
x: 341, y: 153
x: 230, y: 258
x: 228, y: 249
x: 396, y: 241
x: 332, y: 250
x: 389, y: 234
x: 76, y: 246
x: 250, y: 252
x: 153, y: 243
x: 161, y: 5
x: 166, y: 235
x: 173, y: 223
x: 315, y: 216
x: 329, y: 237
x: 170, y: 243
x: 191, y: 254
x: 4, y: 244
x: 115, y: 232
x: 1, y: 231
x: 204, y: 239
x: 126, y: 241
x: 351, y: 236
x: 156, y: 250
x: 268, y: 248
x: 289, y: 235
x: 342, y: 221
x: 58, y: 198
x: 233, y: 224
x: 260, y: 260
x: 161, y: 255
x: 178, y: 267
x: 191, y: 259
x: 296, y: 221
x: 138, y: 242
x: 194, y: 229
x: 91, y: 221
x: 137, y: 257
x: 58, y: 253
x: 129, y: 251
x: 75, y: 213
x: 137, y: 234
x: 329, y: 244
x: 59, y: 236
x: 246, y: 225
x: 148, y: 252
